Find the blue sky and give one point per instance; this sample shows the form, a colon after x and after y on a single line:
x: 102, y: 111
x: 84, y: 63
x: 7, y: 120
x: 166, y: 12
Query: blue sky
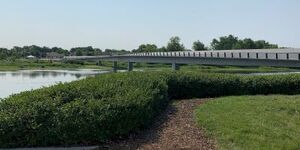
x: 124, y: 24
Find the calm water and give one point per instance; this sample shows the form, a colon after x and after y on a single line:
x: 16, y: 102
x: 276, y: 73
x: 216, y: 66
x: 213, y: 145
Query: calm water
x: 12, y: 82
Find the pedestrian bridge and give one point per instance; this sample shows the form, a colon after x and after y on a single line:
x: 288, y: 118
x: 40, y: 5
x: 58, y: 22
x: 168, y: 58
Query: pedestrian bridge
x: 261, y: 57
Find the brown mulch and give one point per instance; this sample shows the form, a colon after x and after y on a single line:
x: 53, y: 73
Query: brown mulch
x: 174, y: 129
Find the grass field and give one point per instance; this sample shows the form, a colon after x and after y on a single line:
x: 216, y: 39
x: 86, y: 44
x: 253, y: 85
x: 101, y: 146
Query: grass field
x: 252, y: 122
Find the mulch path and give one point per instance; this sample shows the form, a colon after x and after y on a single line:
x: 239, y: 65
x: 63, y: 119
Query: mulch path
x: 174, y: 129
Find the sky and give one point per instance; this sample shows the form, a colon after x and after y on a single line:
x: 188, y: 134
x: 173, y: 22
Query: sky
x: 125, y: 24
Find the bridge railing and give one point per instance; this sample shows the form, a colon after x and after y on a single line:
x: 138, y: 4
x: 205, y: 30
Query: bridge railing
x: 226, y: 54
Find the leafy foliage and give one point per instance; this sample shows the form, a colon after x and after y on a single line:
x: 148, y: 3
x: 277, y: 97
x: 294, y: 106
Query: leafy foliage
x: 85, y: 51
x: 184, y: 85
x: 232, y: 42
x: 81, y: 112
x: 199, y: 46
x: 22, y: 52
x: 146, y: 48
x: 42, y: 52
x: 175, y: 44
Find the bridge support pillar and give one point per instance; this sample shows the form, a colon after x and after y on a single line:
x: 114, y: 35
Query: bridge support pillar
x: 130, y: 66
x: 175, y: 66
x: 115, y: 66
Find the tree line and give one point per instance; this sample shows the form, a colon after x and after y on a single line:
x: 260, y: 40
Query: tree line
x: 229, y: 42
x: 223, y: 43
x: 43, y: 52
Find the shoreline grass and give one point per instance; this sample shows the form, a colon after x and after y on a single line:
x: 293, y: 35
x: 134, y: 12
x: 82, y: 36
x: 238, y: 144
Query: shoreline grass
x: 25, y: 64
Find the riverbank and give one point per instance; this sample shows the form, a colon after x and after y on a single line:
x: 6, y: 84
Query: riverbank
x: 25, y: 64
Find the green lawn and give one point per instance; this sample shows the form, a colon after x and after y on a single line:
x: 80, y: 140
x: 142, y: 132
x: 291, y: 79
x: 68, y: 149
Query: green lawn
x: 252, y: 122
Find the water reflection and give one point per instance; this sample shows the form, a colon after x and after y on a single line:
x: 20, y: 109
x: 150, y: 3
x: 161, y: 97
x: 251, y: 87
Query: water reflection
x: 12, y: 82
x: 53, y: 73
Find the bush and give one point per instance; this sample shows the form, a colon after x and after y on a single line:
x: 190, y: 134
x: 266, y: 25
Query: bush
x: 81, y: 112
x: 194, y: 85
x: 97, y: 109
x: 77, y: 62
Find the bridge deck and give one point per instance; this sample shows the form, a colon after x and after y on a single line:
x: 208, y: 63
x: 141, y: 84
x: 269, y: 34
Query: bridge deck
x: 278, y: 57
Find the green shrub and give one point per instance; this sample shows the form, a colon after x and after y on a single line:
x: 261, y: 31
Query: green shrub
x: 81, y: 112
x: 196, y: 85
x: 109, y: 106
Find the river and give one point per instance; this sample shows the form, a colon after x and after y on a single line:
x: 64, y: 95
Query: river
x: 13, y: 82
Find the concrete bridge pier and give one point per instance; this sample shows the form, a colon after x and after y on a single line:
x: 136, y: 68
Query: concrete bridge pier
x: 175, y: 66
x: 130, y: 66
x: 115, y: 66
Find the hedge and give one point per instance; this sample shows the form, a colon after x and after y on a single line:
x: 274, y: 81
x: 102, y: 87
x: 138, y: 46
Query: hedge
x: 81, y: 112
x: 101, y: 108
x: 184, y: 85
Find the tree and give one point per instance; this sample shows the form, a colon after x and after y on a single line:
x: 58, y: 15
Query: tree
x: 89, y: 51
x: 199, y: 46
x: 115, y: 52
x: 175, y: 45
x: 262, y: 44
x: 245, y: 44
x: 4, y: 53
x: 59, y: 50
x: 224, y: 43
x: 162, y: 49
x: 248, y: 44
x: 146, y: 48
x: 78, y: 53
x: 231, y: 42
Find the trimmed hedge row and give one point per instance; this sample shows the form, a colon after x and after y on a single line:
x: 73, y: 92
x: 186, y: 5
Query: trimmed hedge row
x: 81, y: 112
x: 108, y: 106
x: 194, y: 85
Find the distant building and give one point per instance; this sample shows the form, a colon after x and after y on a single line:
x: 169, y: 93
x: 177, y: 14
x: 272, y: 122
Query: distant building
x: 54, y: 55
x: 30, y: 57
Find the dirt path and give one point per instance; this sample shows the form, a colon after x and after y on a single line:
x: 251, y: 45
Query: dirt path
x: 175, y: 129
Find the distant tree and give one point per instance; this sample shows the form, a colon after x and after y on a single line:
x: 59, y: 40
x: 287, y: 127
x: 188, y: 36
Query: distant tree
x: 78, y: 53
x: 162, y: 49
x: 17, y: 52
x: 146, y: 48
x: 232, y: 42
x: 87, y: 51
x: 115, y: 52
x: 224, y: 43
x: 175, y: 45
x: 199, y: 46
x: 245, y: 44
x: 248, y: 44
x: 37, y: 51
x: 60, y: 50
x: 97, y: 51
x: 262, y: 44
x: 4, y: 53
